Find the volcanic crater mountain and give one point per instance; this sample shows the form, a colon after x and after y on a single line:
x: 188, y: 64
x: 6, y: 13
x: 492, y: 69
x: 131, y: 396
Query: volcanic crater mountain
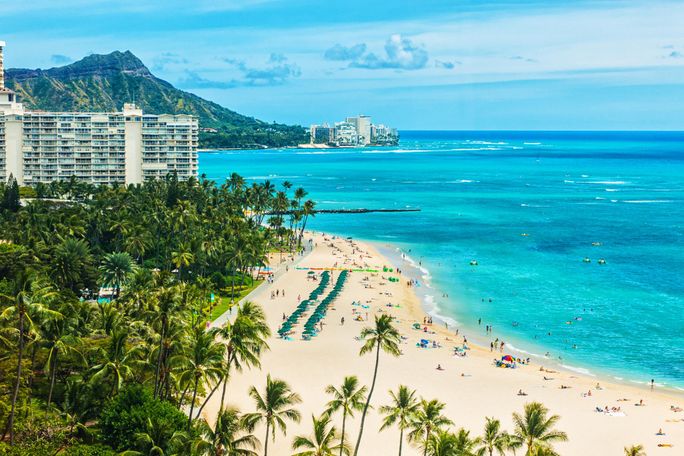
x: 105, y: 82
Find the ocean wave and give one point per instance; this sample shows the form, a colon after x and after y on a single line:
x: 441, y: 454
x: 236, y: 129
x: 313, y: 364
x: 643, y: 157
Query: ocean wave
x: 520, y: 350
x: 612, y: 190
x: 606, y: 182
x: 498, y: 143
x: 434, y: 311
x: 532, y: 143
x: 396, y: 151
x: 647, y: 201
x: 579, y: 370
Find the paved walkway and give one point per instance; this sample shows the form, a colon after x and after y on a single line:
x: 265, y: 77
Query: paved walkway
x: 277, y: 272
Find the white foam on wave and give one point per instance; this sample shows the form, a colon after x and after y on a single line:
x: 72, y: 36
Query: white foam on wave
x: 396, y: 151
x: 520, y: 350
x: 568, y: 181
x: 498, y: 143
x: 606, y: 182
x: 612, y: 190
x: 647, y: 201
x: 434, y: 311
x: 579, y: 370
x: 532, y: 143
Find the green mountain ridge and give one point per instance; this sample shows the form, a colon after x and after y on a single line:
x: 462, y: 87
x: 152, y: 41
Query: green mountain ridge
x: 105, y: 82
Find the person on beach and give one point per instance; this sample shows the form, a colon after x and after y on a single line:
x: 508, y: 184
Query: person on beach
x: 342, y: 321
x: 652, y: 384
x: 439, y: 367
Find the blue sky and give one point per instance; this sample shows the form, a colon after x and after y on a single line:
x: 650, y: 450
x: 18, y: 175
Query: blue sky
x: 414, y: 64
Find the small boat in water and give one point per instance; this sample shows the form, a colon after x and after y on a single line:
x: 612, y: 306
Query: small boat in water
x: 601, y: 261
x: 596, y: 244
x: 473, y: 262
x: 586, y: 260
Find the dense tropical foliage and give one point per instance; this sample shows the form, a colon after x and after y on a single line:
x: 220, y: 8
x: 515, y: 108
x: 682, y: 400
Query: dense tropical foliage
x: 105, y: 288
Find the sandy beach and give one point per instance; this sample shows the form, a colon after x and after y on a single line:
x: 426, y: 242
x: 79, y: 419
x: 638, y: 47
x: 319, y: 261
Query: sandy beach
x: 472, y: 386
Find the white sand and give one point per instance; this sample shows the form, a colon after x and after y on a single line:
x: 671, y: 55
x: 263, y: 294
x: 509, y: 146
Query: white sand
x: 309, y: 366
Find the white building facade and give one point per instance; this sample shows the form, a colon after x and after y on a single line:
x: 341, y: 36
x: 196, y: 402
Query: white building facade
x: 126, y: 147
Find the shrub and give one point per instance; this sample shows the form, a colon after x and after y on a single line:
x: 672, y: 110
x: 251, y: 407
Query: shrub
x: 130, y: 412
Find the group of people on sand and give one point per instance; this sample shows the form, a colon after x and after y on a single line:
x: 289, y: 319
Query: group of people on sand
x: 497, y: 345
x: 277, y: 293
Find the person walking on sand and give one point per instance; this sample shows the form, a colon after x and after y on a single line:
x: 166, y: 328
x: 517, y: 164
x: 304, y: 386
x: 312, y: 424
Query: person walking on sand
x: 652, y: 384
x: 342, y: 321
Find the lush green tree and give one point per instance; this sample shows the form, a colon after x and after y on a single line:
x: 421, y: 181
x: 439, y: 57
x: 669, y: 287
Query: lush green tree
x: 381, y: 337
x: 400, y: 412
x: 348, y: 398
x: 116, y: 269
x: 273, y: 408
x: 202, y: 361
x: 10, y: 195
x: 324, y: 441
x: 534, y: 429
x: 426, y: 421
x: 134, y: 411
x: 245, y: 340
x: 228, y: 437
x: 493, y: 439
x: 24, y: 308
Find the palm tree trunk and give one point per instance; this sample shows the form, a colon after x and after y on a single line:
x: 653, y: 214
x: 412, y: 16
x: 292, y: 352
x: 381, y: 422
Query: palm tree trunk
x: 199, y: 412
x: 368, y: 399
x: 232, y: 286
x: 268, y: 426
x: 53, y: 369
x: 17, y: 383
x: 192, y: 404
x: 427, y: 436
x: 344, y: 422
x: 159, y: 360
x: 223, y: 392
x: 401, y: 438
x: 182, y: 398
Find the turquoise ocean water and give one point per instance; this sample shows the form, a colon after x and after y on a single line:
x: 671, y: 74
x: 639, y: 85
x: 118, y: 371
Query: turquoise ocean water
x: 479, y: 192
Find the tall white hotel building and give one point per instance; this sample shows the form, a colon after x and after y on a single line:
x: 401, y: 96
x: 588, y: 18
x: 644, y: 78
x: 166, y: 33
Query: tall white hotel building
x: 126, y: 147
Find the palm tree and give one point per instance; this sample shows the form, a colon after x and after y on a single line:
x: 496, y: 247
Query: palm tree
x: 348, y: 398
x: 493, y: 439
x: 30, y: 302
x: 202, y: 361
x: 442, y: 443
x: 116, y: 268
x: 384, y: 336
x: 427, y: 420
x: 273, y: 408
x: 635, y: 450
x: 117, y: 363
x: 323, y: 442
x: 245, y: 340
x: 465, y: 446
x: 534, y: 429
x: 58, y: 337
x: 228, y: 437
x: 400, y: 412
x: 167, y: 303
x: 182, y: 257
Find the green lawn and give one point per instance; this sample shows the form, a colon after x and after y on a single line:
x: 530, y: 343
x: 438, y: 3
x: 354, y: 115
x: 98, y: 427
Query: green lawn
x: 224, y: 301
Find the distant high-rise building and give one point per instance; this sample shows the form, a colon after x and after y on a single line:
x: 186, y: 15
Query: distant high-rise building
x: 354, y: 132
x: 363, y: 128
x: 125, y: 147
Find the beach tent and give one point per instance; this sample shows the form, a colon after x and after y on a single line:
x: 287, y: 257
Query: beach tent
x: 508, y: 358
